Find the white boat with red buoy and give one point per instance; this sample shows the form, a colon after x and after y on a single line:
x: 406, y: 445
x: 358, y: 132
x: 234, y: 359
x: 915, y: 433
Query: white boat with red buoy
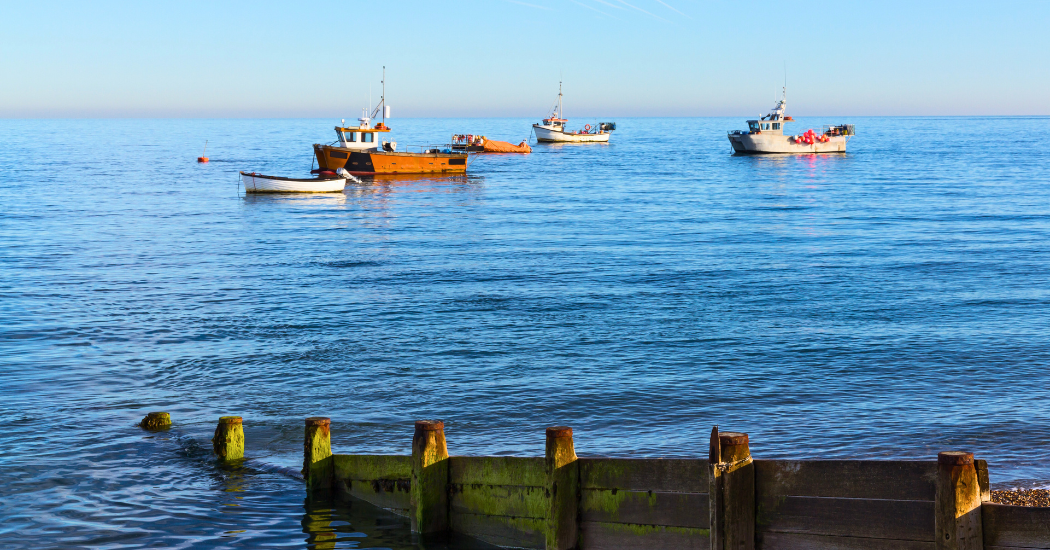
x: 553, y: 128
x: 766, y: 135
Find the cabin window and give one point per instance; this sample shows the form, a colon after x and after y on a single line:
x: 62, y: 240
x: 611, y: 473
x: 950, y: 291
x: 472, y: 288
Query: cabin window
x: 752, y: 125
x: 367, y: 137
x: 350, y: 136
x: 765, y: 126
x: 776, y: 125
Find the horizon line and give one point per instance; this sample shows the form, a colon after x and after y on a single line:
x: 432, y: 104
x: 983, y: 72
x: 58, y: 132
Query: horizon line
x: 237, y: 117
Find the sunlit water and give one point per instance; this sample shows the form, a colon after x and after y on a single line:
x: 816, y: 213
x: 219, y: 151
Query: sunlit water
x: 887, y: 303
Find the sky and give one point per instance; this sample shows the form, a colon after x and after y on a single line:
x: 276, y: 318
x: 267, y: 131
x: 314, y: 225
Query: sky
x: 504, y: 58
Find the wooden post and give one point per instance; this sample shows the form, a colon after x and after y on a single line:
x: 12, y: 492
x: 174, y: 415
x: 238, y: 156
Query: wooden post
x: 958, y: 506
x: 732, y: 492
x: 156, y: 421
x: 318, y: 466
x: 982, y: 479
x: 429, y: 496
x: 228, y: 441
x: 563, y: 482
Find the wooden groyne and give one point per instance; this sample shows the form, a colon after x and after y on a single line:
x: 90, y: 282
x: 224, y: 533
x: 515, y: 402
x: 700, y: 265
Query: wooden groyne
x: 726, y: 501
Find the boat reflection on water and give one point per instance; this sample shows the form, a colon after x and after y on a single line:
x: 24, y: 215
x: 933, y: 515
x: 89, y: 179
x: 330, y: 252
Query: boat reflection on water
x: 392, y: 184
x: 299, y: 199
x: 331, y: 523
x: 808, y: 164
x: 413, y: 179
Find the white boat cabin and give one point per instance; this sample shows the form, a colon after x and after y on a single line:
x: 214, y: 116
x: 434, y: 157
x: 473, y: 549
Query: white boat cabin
x: 772, y: 123
x: 361, y: 137
x: 555, y: 123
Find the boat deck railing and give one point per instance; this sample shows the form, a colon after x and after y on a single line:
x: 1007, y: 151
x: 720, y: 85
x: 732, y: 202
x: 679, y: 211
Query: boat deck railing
x: 421, y: 148
x: 839, y: 129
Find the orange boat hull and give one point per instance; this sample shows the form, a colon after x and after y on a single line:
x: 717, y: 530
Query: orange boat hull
x: 384, y: 162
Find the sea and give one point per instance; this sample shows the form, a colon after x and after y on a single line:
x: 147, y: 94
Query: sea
x: 886, y: 303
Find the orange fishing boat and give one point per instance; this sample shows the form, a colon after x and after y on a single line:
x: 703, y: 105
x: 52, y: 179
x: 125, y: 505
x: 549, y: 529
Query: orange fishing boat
x: 360, y: 150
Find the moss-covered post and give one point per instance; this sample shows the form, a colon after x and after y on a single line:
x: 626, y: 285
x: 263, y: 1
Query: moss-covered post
x: 228, y: 441
x: 156, y: 421
x: 429, y: 496
x: 958, y: 505
x: 318, y: 465
x: 563, y: 482
x: 732, y: 492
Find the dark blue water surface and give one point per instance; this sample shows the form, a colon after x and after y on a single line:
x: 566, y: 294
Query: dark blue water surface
x: 891, y: 302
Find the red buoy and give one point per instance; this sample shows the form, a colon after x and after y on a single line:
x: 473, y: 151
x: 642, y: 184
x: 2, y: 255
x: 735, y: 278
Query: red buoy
x: 202, y: 159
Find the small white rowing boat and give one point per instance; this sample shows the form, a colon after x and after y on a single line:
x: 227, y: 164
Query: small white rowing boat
x: 258, y: 183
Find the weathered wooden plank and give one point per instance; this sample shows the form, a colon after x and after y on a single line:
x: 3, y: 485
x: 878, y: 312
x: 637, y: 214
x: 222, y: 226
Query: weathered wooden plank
x: 623, y: 536
x: 497, y: 470
x: 868, y: 518
x: 500, y: 530
x: 393, y: 496
x: 665, y: 475
x: 879, y: 479
x: 380, y: 480
x: 373, y: 467
x: 645, y: 507
x: 498, y: 500
x: 800, y: 541
x: 1015, y: 526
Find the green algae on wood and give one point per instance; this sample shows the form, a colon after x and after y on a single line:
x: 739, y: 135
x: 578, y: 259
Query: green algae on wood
x: 317, y: 453
x: 644, y: 507
x: 228, y: 441
x: 382, y: 480
x: 371, y: 467
x: 156, y: 421
x: 671, y: 475
x: 429, y: 478
x: 498, y: 470
x: 498, y: 500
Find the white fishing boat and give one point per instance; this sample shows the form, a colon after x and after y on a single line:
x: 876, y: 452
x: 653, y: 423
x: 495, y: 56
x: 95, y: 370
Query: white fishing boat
x: 325, y: 183
x: 553, y: 128
x: 766, y: 135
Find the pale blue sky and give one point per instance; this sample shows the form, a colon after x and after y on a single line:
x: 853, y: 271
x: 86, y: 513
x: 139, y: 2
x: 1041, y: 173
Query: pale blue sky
x: 504, y: 58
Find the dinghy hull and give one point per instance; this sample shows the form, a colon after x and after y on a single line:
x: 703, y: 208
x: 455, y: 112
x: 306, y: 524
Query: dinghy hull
x: 258, y: 183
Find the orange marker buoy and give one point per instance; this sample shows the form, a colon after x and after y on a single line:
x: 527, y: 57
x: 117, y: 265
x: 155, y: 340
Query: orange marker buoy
x: 203, y: 158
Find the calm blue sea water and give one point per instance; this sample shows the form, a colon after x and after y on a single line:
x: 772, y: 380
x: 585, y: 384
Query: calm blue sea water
x: 892, y: 302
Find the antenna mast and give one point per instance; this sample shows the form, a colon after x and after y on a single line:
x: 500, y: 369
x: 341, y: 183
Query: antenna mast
x: 382, y: 99
x: 561, y: 111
